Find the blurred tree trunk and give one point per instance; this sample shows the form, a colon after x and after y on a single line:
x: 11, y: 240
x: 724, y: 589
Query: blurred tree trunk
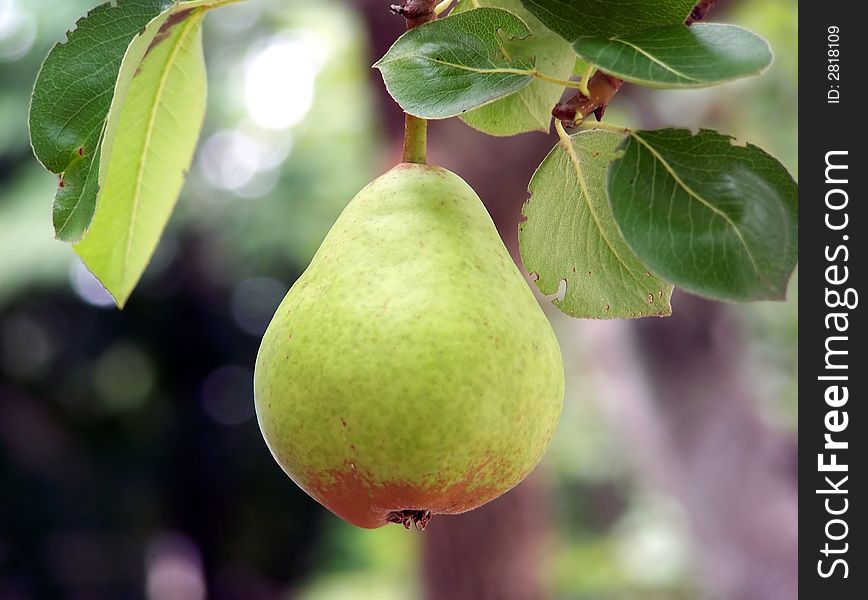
x: 680, y: 395
x: 495, y: 552
x: 492, y: 553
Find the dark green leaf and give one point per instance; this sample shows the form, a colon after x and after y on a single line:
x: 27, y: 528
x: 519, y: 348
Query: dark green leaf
x: 713, y: 217
x: 573, y: 19
x: 679, y: 56
x: 76, y: 197
x: 71, y: 100
x: 448, y: 66
x: 570, y: 235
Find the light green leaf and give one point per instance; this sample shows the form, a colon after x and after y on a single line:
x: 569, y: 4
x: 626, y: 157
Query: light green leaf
x: 679, y: 56
x: 529, y: 109
x: 574, y: 19
x: 130, y: 65
x: 570, y: 235
x: 448, y: 66
x: 713, y: 217
x: 157, y: 128
x: 71, y: 100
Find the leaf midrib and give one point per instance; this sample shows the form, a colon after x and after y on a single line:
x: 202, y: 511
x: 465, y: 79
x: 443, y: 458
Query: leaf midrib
x: 495, y: 70
x: 192, y: 20
x: 655, y: 60
x: 701, y: 200
x: 583, y: 185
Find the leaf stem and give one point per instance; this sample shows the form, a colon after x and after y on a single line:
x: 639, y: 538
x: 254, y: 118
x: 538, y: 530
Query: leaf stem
x: 416, y: 12
x: 562, y: 133
x: 583, y: 82
x: 543, y: 77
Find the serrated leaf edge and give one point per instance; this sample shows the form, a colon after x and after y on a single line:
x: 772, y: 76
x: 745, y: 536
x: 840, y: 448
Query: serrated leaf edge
x: 665, y: 293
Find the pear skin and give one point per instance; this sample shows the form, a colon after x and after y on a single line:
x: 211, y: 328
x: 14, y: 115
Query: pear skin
x: 410, y: 370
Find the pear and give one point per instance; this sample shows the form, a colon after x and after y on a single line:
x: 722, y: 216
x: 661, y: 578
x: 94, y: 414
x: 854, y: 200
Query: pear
x: 409, y: 371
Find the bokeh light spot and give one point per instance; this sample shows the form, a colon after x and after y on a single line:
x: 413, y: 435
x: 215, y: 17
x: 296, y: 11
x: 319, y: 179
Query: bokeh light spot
x: 17, y: 31
x: 174, y: 569
x: 232, y: 159
x: 279, y: 81
x: 87, y: 287
x: 123, y: 377
x: 254, y: 302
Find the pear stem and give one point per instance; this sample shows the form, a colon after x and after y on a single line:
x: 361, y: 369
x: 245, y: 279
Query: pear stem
x: 415, y: 140
x: 417, y: 12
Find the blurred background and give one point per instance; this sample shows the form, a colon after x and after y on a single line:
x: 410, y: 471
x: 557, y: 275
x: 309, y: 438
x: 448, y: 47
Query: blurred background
x: 131, y: 465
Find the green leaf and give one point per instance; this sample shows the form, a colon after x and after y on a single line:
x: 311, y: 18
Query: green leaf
x: 155, y: 136
x: 713, y: 217
x: 573, y: 19
x: 75, y: 198
x: 570, y: 235
x: 449, y: 66
x: 580, y: 68
x: 71, y: 100
x: 679, y: 56
x: 135, y: 54
x: 529, y: 109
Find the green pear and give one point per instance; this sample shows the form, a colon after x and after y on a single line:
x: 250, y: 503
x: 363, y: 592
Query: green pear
x: 409, y: 371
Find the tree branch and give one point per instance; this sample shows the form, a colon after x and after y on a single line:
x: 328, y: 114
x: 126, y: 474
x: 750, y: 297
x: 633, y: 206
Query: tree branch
x: 603, y: 87
x: 416, y: 12
x: 700, y: 11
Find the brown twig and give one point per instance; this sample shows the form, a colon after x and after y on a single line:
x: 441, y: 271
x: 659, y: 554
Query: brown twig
x: 700, y: 11
x: 603, y: 87
x: 416, y: 12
